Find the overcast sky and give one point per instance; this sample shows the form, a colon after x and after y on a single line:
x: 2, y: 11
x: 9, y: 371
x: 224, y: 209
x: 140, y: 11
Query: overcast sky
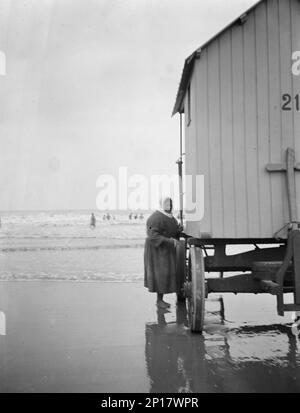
x: 90, y: 86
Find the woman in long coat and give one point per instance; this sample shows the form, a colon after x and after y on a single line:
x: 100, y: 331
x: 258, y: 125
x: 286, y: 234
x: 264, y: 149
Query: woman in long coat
x: 163, y: 233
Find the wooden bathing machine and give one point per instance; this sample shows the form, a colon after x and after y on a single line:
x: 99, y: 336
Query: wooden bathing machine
x: 240, y: 97
x: 241, y: 103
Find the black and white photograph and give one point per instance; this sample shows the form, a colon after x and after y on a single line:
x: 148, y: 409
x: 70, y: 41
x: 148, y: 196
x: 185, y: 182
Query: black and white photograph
x: 149, y: 199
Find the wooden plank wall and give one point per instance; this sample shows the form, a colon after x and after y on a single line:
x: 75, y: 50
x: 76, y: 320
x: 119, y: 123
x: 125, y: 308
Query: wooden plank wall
x: 295, y: 43
x: 238, y: 125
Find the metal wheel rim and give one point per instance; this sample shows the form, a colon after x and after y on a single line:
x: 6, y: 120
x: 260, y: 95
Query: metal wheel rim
x: 197, y: 299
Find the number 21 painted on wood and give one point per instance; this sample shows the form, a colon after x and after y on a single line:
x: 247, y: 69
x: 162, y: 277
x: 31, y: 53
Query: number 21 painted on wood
x: 290, y: 102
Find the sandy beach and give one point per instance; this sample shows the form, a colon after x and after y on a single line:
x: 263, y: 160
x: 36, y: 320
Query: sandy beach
x: 108, y: 337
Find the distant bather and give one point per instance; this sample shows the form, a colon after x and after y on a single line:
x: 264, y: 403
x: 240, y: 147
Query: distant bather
x: 93, y: 221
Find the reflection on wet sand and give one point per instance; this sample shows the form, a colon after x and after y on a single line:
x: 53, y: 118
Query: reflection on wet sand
x: 73, y: 337
x: 223, y: 359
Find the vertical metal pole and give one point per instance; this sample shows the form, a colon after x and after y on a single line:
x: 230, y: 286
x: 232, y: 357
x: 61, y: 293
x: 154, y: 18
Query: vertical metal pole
x: 181, y: 136
x: 179, y: 163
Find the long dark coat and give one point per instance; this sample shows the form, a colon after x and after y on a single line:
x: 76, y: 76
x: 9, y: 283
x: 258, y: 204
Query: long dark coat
x: 160, y: 254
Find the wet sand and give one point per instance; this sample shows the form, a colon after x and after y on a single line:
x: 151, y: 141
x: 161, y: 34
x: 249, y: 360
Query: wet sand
x: 109, y: 337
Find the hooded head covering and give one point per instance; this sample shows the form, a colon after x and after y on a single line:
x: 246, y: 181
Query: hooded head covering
x: 166, y: 205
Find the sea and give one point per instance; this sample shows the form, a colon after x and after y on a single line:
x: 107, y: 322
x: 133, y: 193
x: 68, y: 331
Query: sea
x: 61, y: 245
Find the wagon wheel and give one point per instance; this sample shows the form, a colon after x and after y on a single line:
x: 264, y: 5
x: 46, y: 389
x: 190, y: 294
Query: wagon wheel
x: 196, y: 299
x: 180, y: 270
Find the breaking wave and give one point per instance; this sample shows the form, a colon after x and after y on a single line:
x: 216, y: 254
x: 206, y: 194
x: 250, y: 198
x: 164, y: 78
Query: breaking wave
x: 72, y: 248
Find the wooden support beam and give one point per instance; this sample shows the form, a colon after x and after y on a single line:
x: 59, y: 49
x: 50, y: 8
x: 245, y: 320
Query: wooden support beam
x: 291, y: 307
x: 267, y: 271
x: 279, y: 167
x: 291, y: 184
x: 281, y: 274
x: 243, y: 261
x: 290, y: 166
x: 242, y: 283
x: 296, y: 265
x: 270, y: 287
